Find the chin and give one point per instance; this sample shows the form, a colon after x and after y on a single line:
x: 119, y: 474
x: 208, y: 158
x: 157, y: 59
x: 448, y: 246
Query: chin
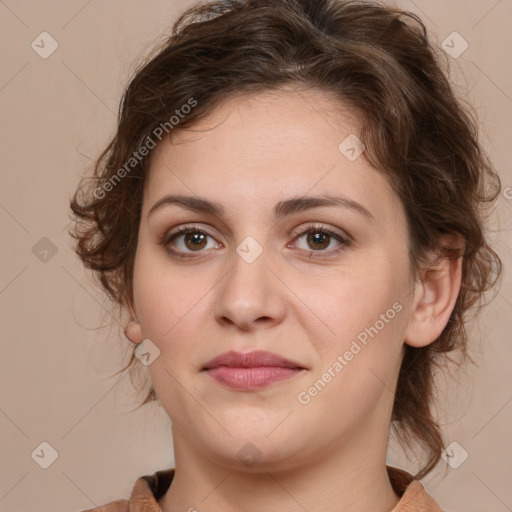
x: 255, y: 451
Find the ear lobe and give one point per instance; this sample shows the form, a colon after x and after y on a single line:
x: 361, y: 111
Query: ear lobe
x: 435, y: 297
x: 133, y: 331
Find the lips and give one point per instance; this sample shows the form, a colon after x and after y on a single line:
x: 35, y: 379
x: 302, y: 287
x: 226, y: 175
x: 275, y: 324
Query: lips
x: 250, y: 360
x: 251, y: 371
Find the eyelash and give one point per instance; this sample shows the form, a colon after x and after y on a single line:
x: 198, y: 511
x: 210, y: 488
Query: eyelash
x: 313, y: 228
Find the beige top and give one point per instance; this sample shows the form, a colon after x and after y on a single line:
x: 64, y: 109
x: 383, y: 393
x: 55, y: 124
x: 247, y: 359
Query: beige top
x: 150, y: 488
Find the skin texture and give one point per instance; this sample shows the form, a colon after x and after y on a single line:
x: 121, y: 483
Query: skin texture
x: 297, y: 299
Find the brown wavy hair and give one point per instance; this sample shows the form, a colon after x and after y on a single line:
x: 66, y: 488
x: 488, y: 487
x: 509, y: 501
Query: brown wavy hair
x: 373, y: 58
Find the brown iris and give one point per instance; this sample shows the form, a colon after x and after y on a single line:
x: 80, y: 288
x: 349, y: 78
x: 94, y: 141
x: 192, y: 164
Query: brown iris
x: 317, y: 237
x: 195, y: 240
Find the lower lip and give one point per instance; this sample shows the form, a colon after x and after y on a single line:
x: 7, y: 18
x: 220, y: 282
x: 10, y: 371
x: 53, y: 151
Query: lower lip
x: 251, y: 378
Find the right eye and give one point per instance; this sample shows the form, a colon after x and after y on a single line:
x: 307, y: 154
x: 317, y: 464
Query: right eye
x: 189, y: 239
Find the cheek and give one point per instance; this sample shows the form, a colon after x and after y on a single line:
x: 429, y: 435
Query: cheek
x: 167, y: 301
x: 364, y: 314
x: 360, y: 356
x: 350, y: 299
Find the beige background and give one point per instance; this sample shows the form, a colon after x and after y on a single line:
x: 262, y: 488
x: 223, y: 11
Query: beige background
x: 57, y: 114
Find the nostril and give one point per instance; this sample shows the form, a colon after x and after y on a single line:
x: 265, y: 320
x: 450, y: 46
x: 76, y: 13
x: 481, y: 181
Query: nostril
x: 263, y: 318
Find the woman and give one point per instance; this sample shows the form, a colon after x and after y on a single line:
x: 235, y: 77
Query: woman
x: 291, y: 212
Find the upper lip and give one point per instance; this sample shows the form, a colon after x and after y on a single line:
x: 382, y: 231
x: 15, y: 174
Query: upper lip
x: 250, y: 360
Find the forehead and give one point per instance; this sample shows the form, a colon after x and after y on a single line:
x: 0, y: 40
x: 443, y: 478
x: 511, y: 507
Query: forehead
x: 260, y: 148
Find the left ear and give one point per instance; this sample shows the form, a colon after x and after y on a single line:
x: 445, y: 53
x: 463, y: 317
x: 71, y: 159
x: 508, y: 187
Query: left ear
x: 436, y: 292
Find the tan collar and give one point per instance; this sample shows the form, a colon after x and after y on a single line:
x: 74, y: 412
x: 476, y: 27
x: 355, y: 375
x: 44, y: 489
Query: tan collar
x: 149, y: 489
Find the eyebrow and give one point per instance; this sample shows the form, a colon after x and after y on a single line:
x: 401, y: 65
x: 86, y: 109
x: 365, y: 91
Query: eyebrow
x: 281, y: 209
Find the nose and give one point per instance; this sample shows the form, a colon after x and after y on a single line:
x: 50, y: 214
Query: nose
x: 250, y: 296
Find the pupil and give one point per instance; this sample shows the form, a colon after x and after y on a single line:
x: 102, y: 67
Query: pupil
x: 196, y: 239
x: 318, y: 238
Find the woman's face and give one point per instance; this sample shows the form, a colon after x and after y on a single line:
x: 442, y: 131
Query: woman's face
x: 250, y: 277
